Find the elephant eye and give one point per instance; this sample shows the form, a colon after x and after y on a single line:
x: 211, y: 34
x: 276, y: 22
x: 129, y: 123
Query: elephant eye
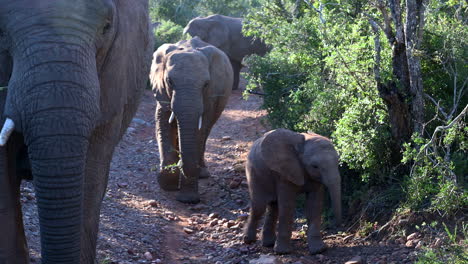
x: 106, y: 27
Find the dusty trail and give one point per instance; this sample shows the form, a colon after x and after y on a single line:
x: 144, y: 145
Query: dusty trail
x: 140, y: 223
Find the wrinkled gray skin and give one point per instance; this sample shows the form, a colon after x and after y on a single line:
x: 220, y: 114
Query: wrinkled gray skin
x: 78, y: 71
x: 280, y: 165
x: 225, y: 33
x: 192, y: 79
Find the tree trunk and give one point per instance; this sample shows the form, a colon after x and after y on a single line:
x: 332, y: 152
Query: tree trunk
x: 413, y: 29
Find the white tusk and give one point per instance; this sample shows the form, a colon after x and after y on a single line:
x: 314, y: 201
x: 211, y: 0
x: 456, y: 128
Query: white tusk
x: 200, y: 122
x: 171, y: 118
x: 7, y: 129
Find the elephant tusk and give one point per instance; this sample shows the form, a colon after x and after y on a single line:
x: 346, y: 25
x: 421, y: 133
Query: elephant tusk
x: 7, y: 129
x: 171, y: 118
x: 200, y: 121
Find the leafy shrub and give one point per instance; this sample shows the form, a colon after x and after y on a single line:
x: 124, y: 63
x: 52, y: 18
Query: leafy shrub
x: 167, y: 32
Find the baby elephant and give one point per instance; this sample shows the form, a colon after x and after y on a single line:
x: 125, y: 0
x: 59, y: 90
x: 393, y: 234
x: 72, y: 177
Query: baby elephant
x: 280, y: 165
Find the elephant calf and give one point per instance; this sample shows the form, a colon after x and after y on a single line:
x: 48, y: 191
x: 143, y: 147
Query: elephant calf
x: 192, y: 83
x: 280, y: 165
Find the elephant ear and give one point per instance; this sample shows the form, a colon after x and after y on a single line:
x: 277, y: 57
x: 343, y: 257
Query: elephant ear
x: 218, y: 34
x: 280, y: 151
x: 221, y: 75
x: 158, y: 72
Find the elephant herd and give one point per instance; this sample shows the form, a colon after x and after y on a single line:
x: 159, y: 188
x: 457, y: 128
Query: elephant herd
x: 72, y: 73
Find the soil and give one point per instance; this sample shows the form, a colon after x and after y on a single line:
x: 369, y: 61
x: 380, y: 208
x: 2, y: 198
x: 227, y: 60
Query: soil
x: 140, y: 223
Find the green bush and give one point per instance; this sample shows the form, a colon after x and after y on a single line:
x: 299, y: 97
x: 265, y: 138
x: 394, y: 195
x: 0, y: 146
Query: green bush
x: 167, y: 32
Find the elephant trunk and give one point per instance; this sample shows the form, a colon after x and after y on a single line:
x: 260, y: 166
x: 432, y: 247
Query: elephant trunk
x: 189, y: 142
x: 333, y: 183
x: 53, y: 98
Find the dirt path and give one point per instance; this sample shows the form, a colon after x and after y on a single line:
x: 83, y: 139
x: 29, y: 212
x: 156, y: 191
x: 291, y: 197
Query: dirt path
x: 140, y: 223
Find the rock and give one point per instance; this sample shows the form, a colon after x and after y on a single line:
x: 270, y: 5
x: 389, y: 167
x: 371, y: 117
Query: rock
x: 153, y: 203
x: 244, y: 250
x: 382, y: 244
x: 226, y: 138
x: 235, y: 183
x: 266, y: 259
x: 130, y: 252
x: 419, y: 245
x: 243, y: 217
x: 139, y: 121
x: 122, y: 185
x: 239, y: 168
x: 400, y: 240
x: 409, y: 244
x: 229, y: 224
x: 148, y: 256
x: 157, y: 261
x: 320, y: 257
x: 354, y: 260
x: 413, y: 236
x: 198, y: 207
x: 213, y: 223
x: 213, y: 215
x: 188, y: 230
x: 346, y: 239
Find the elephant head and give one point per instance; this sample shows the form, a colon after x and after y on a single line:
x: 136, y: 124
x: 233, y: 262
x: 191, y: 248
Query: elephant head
x: 299, y: 158
x: 60, y: 52
x: 190, y: 79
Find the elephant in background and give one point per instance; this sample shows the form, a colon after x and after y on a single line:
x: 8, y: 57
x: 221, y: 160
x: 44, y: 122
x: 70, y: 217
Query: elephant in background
x: 75, y: 72
x: 280, y: 165
x: 192, y: 83
x: 225, y: 33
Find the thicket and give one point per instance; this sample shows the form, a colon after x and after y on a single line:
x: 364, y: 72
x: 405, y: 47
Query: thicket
x: 386, y: 80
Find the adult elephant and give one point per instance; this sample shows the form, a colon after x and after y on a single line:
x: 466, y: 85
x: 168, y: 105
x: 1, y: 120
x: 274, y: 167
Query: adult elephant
x: 79, y: 68
x: 192, y: 82
x: 225, y: 33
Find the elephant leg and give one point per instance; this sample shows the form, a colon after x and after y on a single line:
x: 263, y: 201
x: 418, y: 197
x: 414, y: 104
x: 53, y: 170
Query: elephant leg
x: 204, y: 173
x: 166, y: 135
x: 100, y: 150
x: 314, y: 204
x: 269, y: 227
x: 257, y: 209
x: 13, y: 246
x: 236, y: 68
x: 286, y: 209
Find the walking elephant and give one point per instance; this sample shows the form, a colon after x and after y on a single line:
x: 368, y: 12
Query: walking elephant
x: 192, y: 82
x: 280, y: 165
x: 225, y: 33
x: 75, y: 71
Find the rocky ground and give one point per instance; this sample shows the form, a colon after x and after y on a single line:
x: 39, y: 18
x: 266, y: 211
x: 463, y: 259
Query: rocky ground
x: 140, y: 223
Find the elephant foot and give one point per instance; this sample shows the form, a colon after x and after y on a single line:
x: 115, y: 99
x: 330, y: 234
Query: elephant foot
x: 268, y: 240
x: 316, y: 245
x: 282, y: 248
x: 169, y: 181
x: 204, y: 173
x: 188, y: 197
x: 249, y: 239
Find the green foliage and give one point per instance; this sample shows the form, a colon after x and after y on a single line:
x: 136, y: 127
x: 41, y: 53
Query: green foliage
x: 182, y: 11
x: 321, y: 77
x: 167, y: 32
x: 454, y: 251
x: 437, y: 182
x: 179, y: 12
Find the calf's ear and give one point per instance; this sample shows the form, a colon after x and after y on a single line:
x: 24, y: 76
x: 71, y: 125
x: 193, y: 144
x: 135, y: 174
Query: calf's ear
x: 279, y: 150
